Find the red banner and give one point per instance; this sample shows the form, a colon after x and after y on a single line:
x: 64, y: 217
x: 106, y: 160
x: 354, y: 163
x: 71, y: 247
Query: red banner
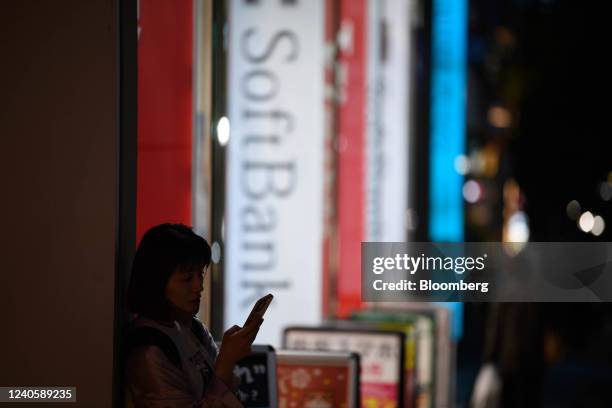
x: 165, y: 54
x: 351, y: 152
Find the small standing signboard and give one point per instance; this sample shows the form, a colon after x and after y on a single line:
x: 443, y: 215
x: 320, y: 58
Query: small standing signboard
x: 312, y: 379
x: 381, y: 354
x: 257, y: 373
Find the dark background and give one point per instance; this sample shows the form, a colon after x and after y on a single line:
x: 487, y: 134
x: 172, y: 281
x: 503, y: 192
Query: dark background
x: 546, y: 62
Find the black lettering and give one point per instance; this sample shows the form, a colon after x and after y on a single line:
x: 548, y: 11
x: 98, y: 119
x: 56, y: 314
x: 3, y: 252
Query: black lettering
x: 270, y: 176
x: 275, y: 115
x: 259, y: 139
x: 255, y: 219
x: 263, y: 255
x: 262, y: 56
x: 249, y: 87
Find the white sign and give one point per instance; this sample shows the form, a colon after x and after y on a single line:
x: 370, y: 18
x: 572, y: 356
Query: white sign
x: 274, y: 211
x: 389, y: 38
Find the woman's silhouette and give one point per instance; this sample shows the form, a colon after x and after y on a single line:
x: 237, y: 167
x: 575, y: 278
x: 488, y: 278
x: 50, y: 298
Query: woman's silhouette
x: 172, y: 360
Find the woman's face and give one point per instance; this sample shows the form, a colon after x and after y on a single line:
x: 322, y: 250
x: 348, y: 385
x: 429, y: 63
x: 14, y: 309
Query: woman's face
x: 184, y: 289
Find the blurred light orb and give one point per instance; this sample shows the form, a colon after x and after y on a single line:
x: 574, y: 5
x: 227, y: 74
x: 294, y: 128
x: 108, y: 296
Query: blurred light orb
x: 223, y: 131
x: 215, y: 250
x: 462, y: 164
x: 477, y: 162
x: 598, y: 226
x: 499, y: 117
x: 586, y: 221
x: 504, y: 36
x: 605, y: 191
x: 518, y: 227
x: 471, y: 191
x: 573, y: 210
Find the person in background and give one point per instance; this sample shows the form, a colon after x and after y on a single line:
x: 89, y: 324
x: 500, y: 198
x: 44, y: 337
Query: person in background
x: 514, y: 364
x: 171, y: 357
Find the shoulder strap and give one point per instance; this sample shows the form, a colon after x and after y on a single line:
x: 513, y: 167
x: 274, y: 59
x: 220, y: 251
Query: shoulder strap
x: 197, y: 329
x: 141, y: 336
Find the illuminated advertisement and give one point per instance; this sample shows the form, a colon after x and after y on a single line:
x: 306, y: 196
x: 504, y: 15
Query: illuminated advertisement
x: 373, y: 149
x: 275, y: 156
x: 317, y: 380
x: 447, y: 127
x: 381, y: 354
x: 388, y: 119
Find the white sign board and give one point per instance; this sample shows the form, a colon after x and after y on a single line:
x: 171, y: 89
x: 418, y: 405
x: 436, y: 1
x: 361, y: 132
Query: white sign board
x: 389, y: 38
x: 274, y: 213
x: 380, y: 353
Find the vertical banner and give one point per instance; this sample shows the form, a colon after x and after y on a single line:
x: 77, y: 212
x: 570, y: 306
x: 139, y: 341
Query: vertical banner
x: 388, y: 112
x: 273, y: 226
x: 374, y: 133
x: 447, y: 118
x: 165, y: 109
x: 330, y: 262
x: 351, y: 151
x: 447, y: 123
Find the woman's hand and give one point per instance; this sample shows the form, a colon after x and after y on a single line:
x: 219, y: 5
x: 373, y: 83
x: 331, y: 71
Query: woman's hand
x: 236, y: 344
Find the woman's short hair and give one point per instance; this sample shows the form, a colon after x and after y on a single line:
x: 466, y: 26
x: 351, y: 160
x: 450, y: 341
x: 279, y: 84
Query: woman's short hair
x: 162, y: 250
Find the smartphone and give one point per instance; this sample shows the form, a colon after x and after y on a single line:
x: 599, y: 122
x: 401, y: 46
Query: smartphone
x: 259, y: 309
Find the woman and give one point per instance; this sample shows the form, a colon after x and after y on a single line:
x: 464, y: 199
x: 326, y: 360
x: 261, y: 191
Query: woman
x: 172, y: 360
